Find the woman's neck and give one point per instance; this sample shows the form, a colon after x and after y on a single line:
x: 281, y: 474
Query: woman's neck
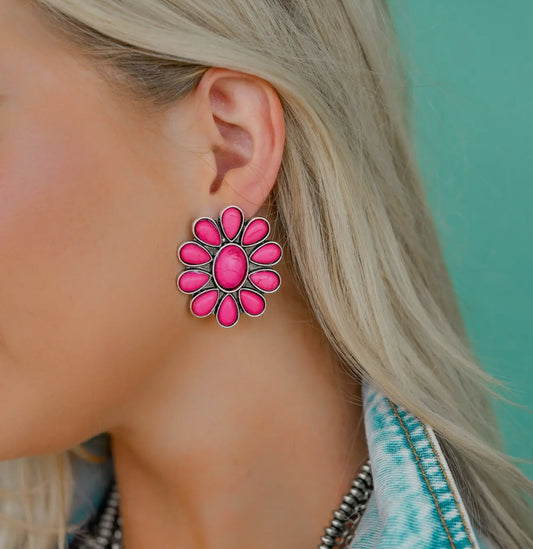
x: 245, y: 438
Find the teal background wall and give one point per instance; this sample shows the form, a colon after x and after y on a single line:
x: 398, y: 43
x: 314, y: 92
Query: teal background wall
x: 471, y: 70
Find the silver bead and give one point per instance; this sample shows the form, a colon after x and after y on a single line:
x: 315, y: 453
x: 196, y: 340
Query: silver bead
x: 341, y: 515
x: 349, y: 499
x: 357, y: 493
x: 348, y: 509
x: 105, y: 532
x: 332, y: 532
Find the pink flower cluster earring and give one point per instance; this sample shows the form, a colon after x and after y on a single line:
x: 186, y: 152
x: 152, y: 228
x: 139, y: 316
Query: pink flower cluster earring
x: 228, y: 266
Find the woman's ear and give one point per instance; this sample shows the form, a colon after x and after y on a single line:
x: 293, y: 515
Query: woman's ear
x: 246, y: 133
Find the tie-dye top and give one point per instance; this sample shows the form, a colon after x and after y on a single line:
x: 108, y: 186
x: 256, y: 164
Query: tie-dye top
x: 415, y: 503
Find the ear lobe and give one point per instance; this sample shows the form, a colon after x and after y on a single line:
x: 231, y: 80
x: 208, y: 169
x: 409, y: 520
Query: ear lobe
x: 249, y: 137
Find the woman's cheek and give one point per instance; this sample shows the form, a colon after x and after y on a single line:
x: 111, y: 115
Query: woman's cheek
x: 51, y: 211
x: 71, y: 268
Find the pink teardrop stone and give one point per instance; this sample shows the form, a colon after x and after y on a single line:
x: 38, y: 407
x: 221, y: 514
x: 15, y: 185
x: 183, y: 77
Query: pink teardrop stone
x: 193, y: 254
x: 255, y: 231
x: 207, y: 232
x: 204, y: 303
x: 267, y: 281
x: 231, y: 266
x: 228, y: 313
x: 231, y: 221
x: 251, y: 302
x: 190, y: 281
x: 267, y: 253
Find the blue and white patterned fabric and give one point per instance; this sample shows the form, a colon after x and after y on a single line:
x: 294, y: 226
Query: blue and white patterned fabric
x: 415, y: 503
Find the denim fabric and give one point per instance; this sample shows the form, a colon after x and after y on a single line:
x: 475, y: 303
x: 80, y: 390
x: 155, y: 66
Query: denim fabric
x: 415, y: 503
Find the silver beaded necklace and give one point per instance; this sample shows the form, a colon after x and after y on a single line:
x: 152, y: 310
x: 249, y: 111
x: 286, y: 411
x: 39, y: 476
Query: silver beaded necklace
x: 106, y: 531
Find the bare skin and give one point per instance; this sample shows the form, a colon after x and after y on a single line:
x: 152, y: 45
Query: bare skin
x: 222, y: 438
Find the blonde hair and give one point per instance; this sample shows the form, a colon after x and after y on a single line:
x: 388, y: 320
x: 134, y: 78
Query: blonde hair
x: 348, y: 205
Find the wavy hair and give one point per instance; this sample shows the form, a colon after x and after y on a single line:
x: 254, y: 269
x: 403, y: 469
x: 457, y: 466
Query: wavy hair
x: 348, y: 205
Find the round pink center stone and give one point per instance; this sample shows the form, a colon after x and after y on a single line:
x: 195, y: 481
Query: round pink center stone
x: 230, y: 267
